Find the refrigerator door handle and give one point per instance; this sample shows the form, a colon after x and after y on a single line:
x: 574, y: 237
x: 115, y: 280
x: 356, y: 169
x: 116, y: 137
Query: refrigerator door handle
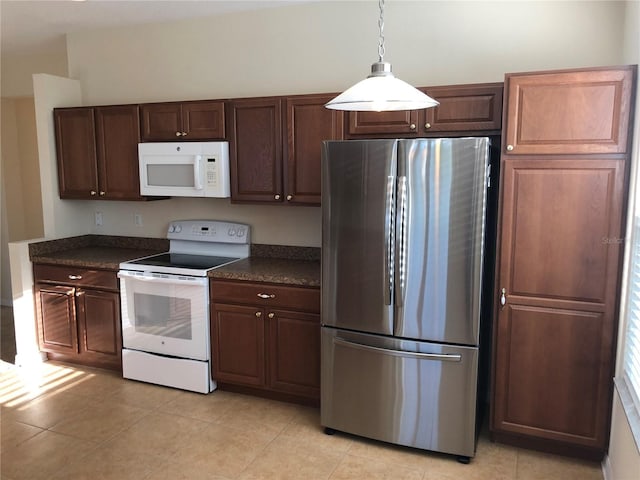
x: 442, y: 357
x: 400, y: 240
x: 389, y: 240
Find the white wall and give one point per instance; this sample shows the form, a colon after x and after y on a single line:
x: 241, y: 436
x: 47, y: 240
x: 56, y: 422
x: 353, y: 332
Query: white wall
x: 18, y: 69
x: 21, y: 206
x: 61, y: 218
x: 323, y: 47
x: 21, y: 198
x: 327, y: 46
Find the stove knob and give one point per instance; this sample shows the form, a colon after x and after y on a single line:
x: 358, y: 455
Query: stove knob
x: 178, y: 229
x: 172, y: 228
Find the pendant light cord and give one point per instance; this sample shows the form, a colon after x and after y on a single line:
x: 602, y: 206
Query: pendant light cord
x: 381, y: 30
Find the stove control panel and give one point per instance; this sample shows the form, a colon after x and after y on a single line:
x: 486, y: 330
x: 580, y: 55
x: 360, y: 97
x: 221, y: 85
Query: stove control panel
x: 209, y: 231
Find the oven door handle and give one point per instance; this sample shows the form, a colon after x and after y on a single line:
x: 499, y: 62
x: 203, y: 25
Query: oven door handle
x: 170, y: 279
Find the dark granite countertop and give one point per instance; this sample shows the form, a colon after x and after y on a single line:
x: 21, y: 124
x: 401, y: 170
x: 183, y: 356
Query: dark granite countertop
x: 274, y: 270
x: 95, y: 251
x: 268, y: 263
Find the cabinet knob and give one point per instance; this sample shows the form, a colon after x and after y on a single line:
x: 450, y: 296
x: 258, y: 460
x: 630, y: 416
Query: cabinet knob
x: 509, y: 148
x: 178, y: 134
x: 277, y: 197
x: 289, y: 197
x: 412, y: 126
x: 71, y: 292
x: 102, y: 194
x: 503, y: 297
x: 427, y: 126
x: 271, y: 315
x: 258, y: 314
x: 93, y: 192
x: 184, y: 134
x: 79, y: 293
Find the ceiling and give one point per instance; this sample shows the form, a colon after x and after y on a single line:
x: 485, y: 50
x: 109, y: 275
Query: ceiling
x: 37, y: 27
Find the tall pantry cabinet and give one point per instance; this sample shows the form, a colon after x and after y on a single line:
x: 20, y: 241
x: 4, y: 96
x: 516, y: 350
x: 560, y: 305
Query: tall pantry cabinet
x: 565, y: 162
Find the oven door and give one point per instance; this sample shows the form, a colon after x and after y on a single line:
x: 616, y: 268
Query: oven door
x: 165, y: 314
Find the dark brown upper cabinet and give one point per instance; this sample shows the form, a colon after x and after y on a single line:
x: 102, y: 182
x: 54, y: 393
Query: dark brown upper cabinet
x: 97, y: 152
x: 569, y: 112
x: 275, y: 145
x: 308, y: 123
x: 183, y: 121
x: 464, y: 109
x: 255, y: 149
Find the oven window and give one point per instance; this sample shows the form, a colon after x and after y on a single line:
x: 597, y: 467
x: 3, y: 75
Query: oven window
x: 162, y: 316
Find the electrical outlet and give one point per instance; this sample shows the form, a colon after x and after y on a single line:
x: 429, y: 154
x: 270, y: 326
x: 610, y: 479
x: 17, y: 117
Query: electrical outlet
x: 98, y: 219
x: 137, y: 219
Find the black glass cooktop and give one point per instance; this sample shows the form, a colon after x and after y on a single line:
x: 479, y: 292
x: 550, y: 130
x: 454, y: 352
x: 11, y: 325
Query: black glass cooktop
x: 183, y: 260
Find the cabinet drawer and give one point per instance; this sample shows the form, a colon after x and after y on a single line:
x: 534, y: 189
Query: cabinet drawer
x: 76, y: 276
x: 266, y: 295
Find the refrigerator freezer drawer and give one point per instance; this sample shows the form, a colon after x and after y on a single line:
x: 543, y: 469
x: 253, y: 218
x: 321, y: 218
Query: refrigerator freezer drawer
x: 416, y: 394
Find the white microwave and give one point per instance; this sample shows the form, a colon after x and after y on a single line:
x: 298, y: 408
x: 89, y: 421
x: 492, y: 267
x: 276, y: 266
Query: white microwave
x: 184, y: 169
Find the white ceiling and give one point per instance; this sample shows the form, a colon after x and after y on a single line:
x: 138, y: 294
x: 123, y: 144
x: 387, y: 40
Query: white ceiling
x: 31, y: 27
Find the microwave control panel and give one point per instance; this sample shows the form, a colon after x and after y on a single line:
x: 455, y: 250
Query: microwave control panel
x: 212, y: 173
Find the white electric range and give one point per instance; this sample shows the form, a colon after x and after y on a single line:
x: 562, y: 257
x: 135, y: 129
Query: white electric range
x: 165, y: 304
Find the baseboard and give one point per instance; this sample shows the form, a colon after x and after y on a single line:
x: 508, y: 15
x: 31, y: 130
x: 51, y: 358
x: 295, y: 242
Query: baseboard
x: 34, y: 358
x: 607, y: 474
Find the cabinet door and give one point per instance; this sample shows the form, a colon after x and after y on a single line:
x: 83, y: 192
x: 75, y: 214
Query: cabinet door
x: 56, y: 318
x: 202, y: 120
x: 76, y: 152
x: 402, y: 123
x: 308, y: 124
x: 161, y: 122
x: 118, y: 135
x: 237, y: 344
x: 569, y: 112
x: 255, y: 150
x: 464, y: 108
x: 294, y: 352
x: 99, y: 322
x: 561, y: 237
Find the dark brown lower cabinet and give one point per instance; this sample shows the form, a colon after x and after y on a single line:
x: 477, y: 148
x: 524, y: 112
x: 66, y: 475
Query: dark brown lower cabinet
x: 294, y: 353
x: 265, y: 339
x: 238, y: 344
x: 78, y: 322
x: 561, y: 249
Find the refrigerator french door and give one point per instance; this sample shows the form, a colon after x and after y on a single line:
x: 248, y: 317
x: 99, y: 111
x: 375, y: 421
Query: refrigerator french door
x: 402, y: 262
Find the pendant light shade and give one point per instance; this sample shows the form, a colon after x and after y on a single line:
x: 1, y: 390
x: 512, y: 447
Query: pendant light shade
x: 381, y: 91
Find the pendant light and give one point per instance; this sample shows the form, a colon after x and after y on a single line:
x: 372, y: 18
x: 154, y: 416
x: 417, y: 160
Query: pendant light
x: 381, y: 91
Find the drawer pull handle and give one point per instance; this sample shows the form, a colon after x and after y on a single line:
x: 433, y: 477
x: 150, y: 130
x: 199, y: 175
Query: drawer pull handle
x: 266, y: 295
x: 75, y: 277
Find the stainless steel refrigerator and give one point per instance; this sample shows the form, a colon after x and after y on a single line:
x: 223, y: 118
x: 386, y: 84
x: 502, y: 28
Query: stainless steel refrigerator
x: 403, y: 232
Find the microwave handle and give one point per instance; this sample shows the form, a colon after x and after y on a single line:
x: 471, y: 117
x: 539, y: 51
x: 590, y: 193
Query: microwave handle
x: 197, y: 168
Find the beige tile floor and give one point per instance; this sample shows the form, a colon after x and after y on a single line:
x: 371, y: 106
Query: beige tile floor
x: 64, y: 422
